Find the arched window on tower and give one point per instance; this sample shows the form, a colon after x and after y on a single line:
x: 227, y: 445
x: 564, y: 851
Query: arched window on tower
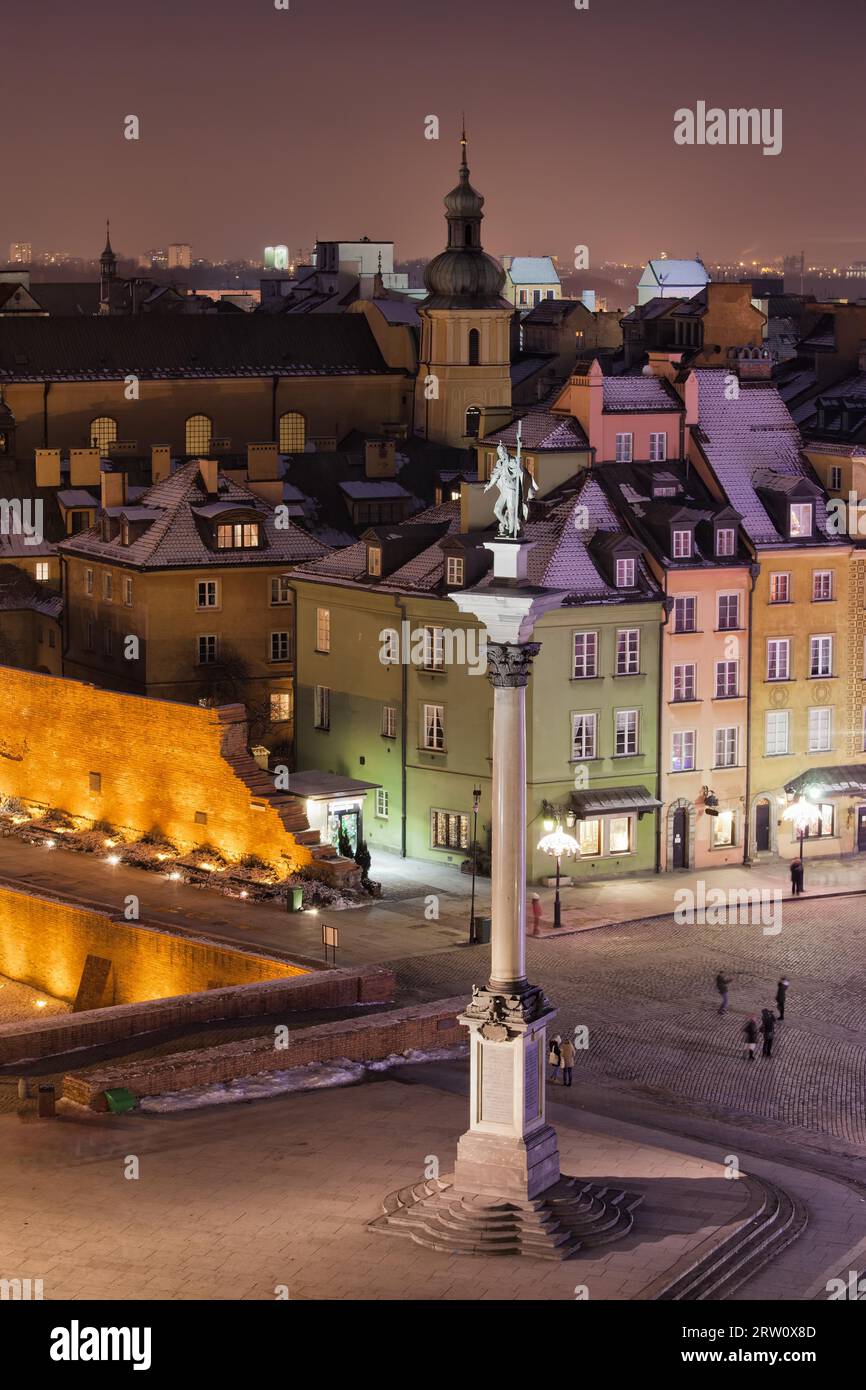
x: 293, y: 433
x: 474, y: 347
x: 199, y: 432
x: 103, y: 433
x: 473, y: 421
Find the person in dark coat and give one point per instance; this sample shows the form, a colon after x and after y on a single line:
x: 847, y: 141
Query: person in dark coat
x: 796, y: 877
x: 768, y: 1030
x: 722, y: 984
x: 781, y: 992
x: 750, y: 1033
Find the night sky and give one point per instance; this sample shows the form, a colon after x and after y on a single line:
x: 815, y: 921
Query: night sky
x: 261, y: 126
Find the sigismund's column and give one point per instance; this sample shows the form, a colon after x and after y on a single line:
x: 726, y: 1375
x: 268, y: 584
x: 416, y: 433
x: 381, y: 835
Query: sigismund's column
x: 509, y: 1148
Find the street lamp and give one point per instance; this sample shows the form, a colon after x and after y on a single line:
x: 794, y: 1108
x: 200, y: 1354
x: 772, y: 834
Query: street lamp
x: 476, y: 802
x: 557, y: 843
x: 800, y: 812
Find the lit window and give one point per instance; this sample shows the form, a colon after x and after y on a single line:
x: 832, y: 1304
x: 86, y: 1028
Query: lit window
x: 822, y: 586
x: 281, y: 646
x: 726, y: 747
x: 589, y: 836
x: 199, y: 432
x: 683, y: 751
x: 207, y: 650
x: 682, y: 545
x: 684, y: 683
x: 281, y: 593
x: 820, y: 823
x: 624, y: 447
x: 776, y: 733
x: 583, y: 737
x: 454, y: 570
x: 658, y: 448
x: 434, y: 728
x: 43, y: 571
x: 726, y: 540
x: 727, y: 679
x: 619, y: 832
x: 819, y: 730
x: 780, y: 588
x: 389, y: 721
x: 778, y: 658
x: 322, y: 707
x: 103, y: 433
x: 626, y: 723
x: 585, y: 658
x: 293, y: 433
x: 207, y: 593
x: 685, y: 614
x: 625, y: 573
x: 800, y: 520
x: 238, y: 535
x: 820, y: 656
x: 628, y: 652
x: 723, y: 830
x: 449, y: 830
x: 728, y: 612
x: 374, y: 560
x: 281, y: 706
x: 434, y: 649
x: 323, y: 629
x: 382, y: 803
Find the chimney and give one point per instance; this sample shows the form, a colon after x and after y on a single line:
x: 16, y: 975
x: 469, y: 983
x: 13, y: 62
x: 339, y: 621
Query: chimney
x: 47, y: 467
x: 476, y: 507
x: 663, y: 364
x: 160, y: 462
x: 84, y: 467
x: 380, y: 458
x: 112, y: 487
x: 209, y: 470
x: 754, y: 364
x: 262, y: 462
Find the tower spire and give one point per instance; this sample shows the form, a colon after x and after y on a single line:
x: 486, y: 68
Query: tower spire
x: 464, y: 166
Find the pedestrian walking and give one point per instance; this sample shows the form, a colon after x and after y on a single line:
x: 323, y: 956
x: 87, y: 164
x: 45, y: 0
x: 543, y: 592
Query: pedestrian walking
x: 554, y: 1057
x: 796, y: 877
x: 781, y: 994
x: 768, y: 1030
x: 722, y: 985
x: 568, y: 1055
x: 750, y: 1032
x: 536, y: 915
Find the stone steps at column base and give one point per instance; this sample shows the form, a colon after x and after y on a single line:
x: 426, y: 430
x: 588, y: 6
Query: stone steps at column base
x: 568, y: 1217
x: 720, y: 1266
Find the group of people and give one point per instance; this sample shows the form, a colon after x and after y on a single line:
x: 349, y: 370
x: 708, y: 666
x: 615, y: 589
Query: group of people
x: 561, y: 1054
x: 752, y: 1030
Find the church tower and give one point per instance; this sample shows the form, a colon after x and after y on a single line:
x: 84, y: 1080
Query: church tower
x: 464, y: 367
x: 107, y: 273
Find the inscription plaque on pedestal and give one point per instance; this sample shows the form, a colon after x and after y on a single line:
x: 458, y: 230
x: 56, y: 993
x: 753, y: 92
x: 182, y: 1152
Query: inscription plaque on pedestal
x: 497, y: 1066
x: 530, y: 1081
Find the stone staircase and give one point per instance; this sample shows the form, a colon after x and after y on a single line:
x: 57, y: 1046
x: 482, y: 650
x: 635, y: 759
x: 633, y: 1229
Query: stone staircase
x: 569, y: 1217
x: 723, y: 1263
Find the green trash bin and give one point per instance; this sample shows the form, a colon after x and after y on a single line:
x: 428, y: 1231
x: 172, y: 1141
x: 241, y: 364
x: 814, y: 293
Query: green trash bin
x: 120, y: 1100
x: 295, y: 899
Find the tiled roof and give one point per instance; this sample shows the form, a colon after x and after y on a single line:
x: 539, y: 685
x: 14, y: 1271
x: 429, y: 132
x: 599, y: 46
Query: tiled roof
x: 740, y: 438
x: 18, y: 590
x: 630, y: 393
x: 541, y: 430
x: 178, y: 539
x: 158, y: 346
x: 417, y: 574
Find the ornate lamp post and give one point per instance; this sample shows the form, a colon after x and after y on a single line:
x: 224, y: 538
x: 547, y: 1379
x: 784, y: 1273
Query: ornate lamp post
x: 476, y: 802
x: 557, y: 844
x: 800, y: 812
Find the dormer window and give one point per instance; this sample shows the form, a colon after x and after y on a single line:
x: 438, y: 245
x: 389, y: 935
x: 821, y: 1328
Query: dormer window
x: 626, y: 570
x: 454, y: 570
x: 726, y: 541
x: 800, y: 520
x: 124, y: 532
x: 238, y: 535
x: 682, y: 544
x: 374, y: 561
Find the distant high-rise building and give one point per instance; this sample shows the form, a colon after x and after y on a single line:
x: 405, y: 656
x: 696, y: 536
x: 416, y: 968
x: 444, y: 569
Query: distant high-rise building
x: 179, y: 255
x: 20, y: 253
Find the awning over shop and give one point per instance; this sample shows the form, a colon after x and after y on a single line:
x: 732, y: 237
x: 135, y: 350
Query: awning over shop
x: 829, y: 781
x: 327, y: 785
x: 612, y: 801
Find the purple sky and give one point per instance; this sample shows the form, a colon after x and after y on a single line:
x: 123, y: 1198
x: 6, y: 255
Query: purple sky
x: 262, y: 126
